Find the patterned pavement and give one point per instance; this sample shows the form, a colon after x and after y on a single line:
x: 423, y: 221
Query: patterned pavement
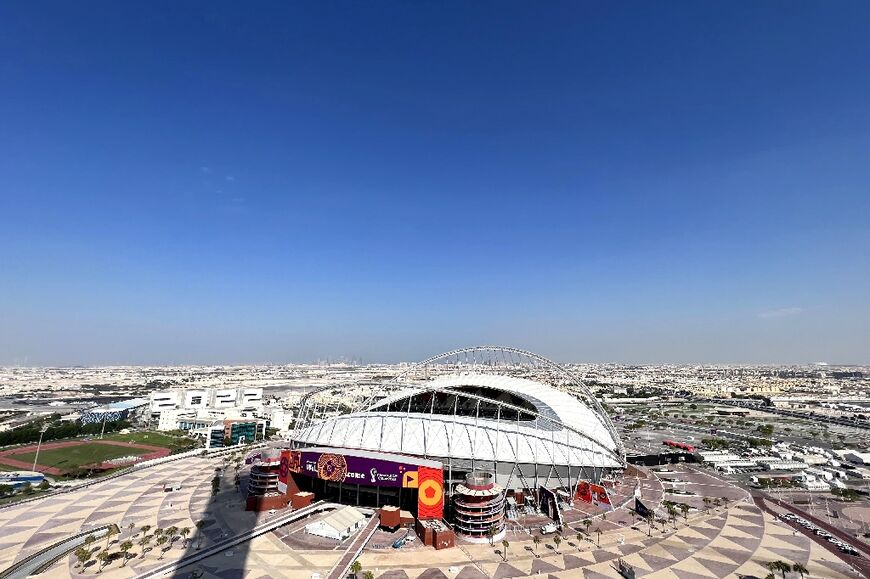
x: 712, y: 544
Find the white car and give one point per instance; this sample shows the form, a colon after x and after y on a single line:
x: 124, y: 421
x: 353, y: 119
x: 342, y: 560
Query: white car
x: 549, y: 528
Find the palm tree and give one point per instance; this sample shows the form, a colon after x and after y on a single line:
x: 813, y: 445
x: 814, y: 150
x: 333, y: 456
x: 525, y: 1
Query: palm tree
x: 103, y: 558
x: 598, y: 531
x: 144, y: 529
x: 587, y: 523
x: 125, y: 547
x: 505, y: 544
x: 649, y: 521
x: 672, y: 513
x: 557, y: 539
x: 184, y: 532
x: 684, y: 508
x: 142, y: 542
x: 83, y: 555
x: 798, y: 568
x: 707, y: 503
x: 161, y: 540
x: 368, y: 575
x: 781, y: 566
x: 579, y: 540
x: 717, y: 502
x: 537, y: 541
x: 355, y: 568
x: 199, y: 535
x: 491, y: 533
x: 111, y: 532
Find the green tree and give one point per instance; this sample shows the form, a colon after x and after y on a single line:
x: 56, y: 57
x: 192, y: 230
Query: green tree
x: 184, y: 532
x: 780, y: 566
x: 143, y: 542
x: 587, y: 523
x: 161, y: 540
x: 44, y: 485
x: 144, y: 529
x: 125, y: 548
x: 103, y: 558
x: 537, y: 541
x: 798, y: 568
x: 5, y: 490
x: 505, y: 544
x: 368, y: 575
x: 579, y: 540
x: 557, y: 539
x: 111, y: 532
x: 355, y: 568
x: 684, y: 508
x: 672, y: 513
x: 83, y: 555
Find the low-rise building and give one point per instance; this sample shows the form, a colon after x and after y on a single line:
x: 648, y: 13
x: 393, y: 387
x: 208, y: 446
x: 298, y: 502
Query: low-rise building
x: 338, y: 525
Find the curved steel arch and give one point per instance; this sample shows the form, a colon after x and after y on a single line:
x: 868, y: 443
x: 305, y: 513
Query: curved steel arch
x: 577, y: 385
x: 401, y: 382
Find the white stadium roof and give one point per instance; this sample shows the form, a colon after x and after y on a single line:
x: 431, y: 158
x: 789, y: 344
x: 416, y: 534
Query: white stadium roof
x: 564, y: 429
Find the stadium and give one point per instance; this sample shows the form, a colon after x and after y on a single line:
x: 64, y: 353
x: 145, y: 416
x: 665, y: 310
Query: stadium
x: 424, y: 440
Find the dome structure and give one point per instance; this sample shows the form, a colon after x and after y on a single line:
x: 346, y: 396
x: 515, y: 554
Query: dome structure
x: 515, y: 414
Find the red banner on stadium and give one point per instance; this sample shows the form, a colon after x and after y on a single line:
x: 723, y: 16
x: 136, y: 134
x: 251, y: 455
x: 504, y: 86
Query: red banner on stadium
x: 584, y: 492
x: 430, y: 493
x: 600, y: 498
x: 284, y: 471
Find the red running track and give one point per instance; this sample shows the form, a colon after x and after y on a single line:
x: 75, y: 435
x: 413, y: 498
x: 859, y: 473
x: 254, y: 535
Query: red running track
x: 6, y: 456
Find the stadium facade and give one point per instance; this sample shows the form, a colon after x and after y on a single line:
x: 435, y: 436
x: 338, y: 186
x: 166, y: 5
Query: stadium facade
x: 527, y: 421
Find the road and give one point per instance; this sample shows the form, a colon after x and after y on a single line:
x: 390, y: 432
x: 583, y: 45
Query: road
x: 861, y: 563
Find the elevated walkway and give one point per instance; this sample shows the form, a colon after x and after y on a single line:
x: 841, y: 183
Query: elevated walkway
x: 42, y: 560
x: 354, y: 548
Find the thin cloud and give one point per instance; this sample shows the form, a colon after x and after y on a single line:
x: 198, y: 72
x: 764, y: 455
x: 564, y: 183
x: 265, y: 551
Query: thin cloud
x: 230, y: 178
x: 781, y: 313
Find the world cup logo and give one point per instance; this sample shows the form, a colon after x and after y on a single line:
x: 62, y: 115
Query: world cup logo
x: 332, y: 467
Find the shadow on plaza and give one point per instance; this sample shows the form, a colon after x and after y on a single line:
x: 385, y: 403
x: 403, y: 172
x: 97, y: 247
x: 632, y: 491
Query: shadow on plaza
x: 214, y: 524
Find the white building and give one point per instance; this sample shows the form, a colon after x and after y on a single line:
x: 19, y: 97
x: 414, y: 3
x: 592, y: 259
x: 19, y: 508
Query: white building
x: 224, y: 397
x: 195, y: 399
x: 338, y: 525
x: 169, y: 408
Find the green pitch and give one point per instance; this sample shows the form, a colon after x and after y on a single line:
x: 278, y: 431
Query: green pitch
x: 74, y: 456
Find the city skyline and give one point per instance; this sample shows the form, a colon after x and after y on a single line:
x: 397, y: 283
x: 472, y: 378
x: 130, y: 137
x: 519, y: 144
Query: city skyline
x: 210, y: 184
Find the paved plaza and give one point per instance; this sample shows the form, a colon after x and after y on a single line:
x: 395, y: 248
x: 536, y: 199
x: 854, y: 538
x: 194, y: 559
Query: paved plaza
x: 713, y: 543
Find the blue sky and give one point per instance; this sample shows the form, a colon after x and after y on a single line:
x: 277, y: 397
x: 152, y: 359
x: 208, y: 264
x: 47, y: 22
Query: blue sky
x: 596, y: 181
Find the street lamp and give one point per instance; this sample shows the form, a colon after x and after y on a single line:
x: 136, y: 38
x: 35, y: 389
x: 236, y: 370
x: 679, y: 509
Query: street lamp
x: 38, y: 444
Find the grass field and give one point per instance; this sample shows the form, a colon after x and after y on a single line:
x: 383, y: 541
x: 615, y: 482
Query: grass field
x: 152, y: 438
x: 74, y: 456
x: 6, y: 467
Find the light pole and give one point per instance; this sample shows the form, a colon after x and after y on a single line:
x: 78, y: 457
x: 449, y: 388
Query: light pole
x: 38, y: 444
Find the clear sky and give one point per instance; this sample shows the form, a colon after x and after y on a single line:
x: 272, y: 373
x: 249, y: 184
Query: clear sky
x: 206, y: 182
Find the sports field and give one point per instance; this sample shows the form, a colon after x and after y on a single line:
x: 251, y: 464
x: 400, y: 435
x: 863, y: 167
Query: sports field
x: 71, y: 457
x: 59, y: 458
x: 154, y: 439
